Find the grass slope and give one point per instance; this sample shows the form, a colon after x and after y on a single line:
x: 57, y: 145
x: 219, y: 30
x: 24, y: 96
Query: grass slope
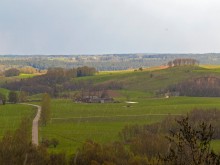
x: 151, y: 80
x: 73, y: 123
x: 11, y: 116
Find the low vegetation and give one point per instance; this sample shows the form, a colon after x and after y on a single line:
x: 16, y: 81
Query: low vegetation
x: 11, y: 72
x: 183, y: 144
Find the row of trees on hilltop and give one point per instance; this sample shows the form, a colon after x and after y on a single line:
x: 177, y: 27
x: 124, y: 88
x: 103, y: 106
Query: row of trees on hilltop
x: 16, y: 71
x: 183, y: 62
x: 74, y: 72
x: 71, y: 73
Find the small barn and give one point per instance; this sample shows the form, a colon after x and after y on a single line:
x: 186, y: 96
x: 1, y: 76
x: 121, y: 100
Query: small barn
x: 94, y: 99
x: 172, y: 94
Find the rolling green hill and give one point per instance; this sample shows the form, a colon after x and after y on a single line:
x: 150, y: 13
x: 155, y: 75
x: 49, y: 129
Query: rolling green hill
x: 150, y: 80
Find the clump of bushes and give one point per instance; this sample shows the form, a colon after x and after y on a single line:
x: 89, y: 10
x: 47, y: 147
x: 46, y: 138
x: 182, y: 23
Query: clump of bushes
x: 50, y: 142
x: 11, y: 72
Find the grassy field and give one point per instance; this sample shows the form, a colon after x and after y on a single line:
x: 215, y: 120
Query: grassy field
x: 11, y: 116
x: 73, y: 123
x: 26, y: 75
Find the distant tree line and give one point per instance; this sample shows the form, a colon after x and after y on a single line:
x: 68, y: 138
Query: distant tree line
x: 13, y: 97
x: 11, y: 72
x: 16, y: 71
x: 183, y: 62
x: 58, y: 80
x: 28, y: 70
x: 2, y: 98
x: 52, y: 82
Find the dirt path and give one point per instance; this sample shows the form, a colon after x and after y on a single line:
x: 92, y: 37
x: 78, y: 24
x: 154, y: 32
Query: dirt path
x: 90, y: 117
x: 35, y: 124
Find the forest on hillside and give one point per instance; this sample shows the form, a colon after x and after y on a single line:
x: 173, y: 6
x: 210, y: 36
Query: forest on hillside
x: 100, y: 62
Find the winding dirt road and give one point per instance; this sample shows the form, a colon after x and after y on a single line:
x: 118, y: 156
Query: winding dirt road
x: 35, y: 124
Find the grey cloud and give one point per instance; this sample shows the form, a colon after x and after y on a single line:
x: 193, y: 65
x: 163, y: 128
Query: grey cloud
x: 108, y: 26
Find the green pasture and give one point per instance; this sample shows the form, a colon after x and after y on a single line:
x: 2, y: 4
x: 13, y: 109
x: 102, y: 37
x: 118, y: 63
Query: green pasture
x: 73, y: 123
x: 23, y: 75
x: 215, y: 144
x: 11, y: 116
x: 210, y: 66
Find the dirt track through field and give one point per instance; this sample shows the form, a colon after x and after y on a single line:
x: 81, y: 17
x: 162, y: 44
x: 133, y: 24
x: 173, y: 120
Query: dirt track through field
x: 90, y: 117
x: 35, y: 124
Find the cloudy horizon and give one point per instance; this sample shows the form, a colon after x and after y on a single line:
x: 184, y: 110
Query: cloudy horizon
x: 109, y: 26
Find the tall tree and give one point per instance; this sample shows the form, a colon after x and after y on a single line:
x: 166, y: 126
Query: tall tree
x: 12, y: 72
x: 13, y: 97
x: 22, y: 96
x: 191, y: 146
x: 2, y: 98
x: 45, y: 109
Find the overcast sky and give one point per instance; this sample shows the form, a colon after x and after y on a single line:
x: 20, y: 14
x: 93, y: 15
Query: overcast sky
x: 109, y: 26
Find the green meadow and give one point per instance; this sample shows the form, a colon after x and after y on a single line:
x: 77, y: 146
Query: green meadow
x: 11, y: 116
x: 22, y: 75
x: 73, y: 123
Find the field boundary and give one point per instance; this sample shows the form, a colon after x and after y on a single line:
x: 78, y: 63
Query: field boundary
x: 90, y: 117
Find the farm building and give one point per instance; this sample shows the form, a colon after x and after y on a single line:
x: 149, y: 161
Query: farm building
x: 169, y: 94
x: 94, y: 99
